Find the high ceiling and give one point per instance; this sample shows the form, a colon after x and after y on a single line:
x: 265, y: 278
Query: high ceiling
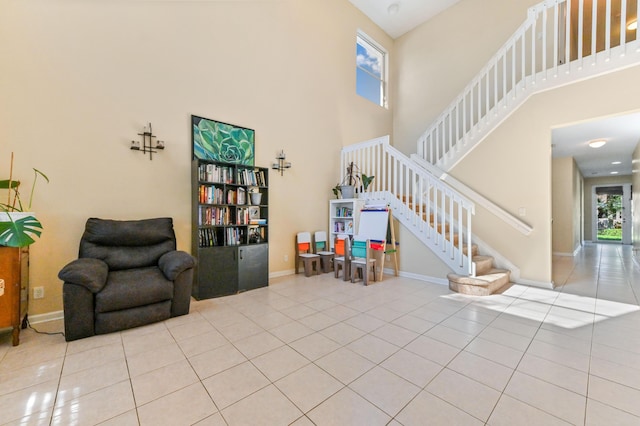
x: 397, y: 17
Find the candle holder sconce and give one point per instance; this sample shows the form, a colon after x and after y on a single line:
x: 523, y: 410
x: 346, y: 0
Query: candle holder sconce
x: 148, y: 144
x: 281, y: 165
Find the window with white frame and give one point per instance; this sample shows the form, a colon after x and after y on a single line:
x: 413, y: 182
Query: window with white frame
x: 371, y: 70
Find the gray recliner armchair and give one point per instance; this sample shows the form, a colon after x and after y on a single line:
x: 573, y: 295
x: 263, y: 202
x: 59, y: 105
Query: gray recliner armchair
x: 128, y: 274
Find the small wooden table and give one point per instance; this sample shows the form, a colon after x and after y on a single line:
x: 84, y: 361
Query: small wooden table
x: 14, y: 282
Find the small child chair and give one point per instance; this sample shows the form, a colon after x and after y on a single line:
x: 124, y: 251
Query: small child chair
x: 320, y: 248
x: 362, y: 260
x: 304, y: 254
x: 342, y: 257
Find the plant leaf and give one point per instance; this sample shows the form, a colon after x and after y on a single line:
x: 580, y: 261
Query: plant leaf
x: 21, y: 232
x: 4, y: 184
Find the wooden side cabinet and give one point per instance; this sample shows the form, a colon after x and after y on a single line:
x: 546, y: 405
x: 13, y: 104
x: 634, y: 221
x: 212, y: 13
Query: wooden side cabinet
x: 14, y: 289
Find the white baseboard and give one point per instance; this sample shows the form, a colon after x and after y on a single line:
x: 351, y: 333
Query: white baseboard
x: 532, y: 283
x: 49, y: 316
x: 574, y: 254
x: 419, y: 277
x: 282, y: 273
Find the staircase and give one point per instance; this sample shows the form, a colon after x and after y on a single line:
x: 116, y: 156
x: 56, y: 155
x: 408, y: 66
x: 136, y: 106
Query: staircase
x: 487, y: 279
x: 560, y: 42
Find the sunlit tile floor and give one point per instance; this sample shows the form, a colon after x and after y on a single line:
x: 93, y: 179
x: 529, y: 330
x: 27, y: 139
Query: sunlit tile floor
x: 322, y: 351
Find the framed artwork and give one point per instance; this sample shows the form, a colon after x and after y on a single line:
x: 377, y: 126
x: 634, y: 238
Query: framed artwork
x: 218, y: 141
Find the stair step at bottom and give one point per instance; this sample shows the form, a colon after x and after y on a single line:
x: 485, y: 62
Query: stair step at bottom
x: 481, y: 285
x: 484, y: 264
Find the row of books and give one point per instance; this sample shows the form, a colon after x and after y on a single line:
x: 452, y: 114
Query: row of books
x: 215, y: 173
x: 224, y: 174
x: 207, y: 237
x: 215, y: 195
x: 343, y: 227
x: 344, y: 212
x: 220, y: 216
x: 234, y: 236
x: 251, y: 177
x: 210, y: 216
x: 210, y: 195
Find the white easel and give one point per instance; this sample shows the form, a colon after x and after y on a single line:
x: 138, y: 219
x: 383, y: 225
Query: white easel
x: 373, y: 226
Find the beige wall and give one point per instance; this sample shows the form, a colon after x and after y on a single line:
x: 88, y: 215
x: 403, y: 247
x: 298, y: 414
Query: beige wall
x: 589, y: 183
x: 80, y: 79
x: 434, y: 62
x: 566, y: 189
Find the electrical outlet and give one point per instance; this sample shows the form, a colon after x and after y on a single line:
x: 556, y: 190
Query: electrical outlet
x: 286, y: 257
x: 38, y: 292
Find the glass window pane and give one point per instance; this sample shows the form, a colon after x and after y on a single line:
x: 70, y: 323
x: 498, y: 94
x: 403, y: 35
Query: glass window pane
x: 368, y: 86
x: 370, y: 70
x: 370, y: 60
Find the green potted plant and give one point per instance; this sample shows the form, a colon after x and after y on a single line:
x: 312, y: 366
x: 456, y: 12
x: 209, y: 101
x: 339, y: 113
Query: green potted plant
x: 353, y: 180
x: 18, y: 226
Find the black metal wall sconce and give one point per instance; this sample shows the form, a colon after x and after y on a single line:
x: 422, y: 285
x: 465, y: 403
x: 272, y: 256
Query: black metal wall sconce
x: 281, y: 165
x: 147, y: 143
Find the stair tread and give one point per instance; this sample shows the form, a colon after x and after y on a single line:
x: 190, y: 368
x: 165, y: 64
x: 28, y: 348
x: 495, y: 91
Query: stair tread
x: 481, y: 280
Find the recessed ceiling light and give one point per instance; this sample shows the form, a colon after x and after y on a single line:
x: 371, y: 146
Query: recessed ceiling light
x: 614, y: 173
x: 597, y: 143
x: 393, y: 8
x: 616, y: 162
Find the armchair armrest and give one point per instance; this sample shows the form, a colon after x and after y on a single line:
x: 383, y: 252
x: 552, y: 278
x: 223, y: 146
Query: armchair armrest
x: 175, y: 262
x: 87, y: 272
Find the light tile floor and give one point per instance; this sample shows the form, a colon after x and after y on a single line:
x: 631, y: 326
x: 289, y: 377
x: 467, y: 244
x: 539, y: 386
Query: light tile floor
x: 321, y: 351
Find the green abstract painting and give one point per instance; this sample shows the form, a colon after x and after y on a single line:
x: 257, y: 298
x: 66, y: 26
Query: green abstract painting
x: 217, y: 141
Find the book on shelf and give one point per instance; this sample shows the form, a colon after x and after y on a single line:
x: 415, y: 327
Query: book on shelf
x: 241, y: 196
x: 344, y: 212
x: 210, y: 195
x: 207, y: 237
x: 242, y: 216
x: 212, y: 216
x: 231, y: 196
x: 254, y: 212
x: 250, y: 177
x: 234, y: 236
x: 258, y: 221
x: 215, y: 173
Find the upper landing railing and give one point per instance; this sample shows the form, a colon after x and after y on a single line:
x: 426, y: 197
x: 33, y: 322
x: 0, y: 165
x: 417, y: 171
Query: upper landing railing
x: 560, y: 41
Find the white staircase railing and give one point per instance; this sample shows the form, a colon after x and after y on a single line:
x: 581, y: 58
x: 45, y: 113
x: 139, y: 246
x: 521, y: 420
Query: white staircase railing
x: 561, y: 41
x: 435, y: 213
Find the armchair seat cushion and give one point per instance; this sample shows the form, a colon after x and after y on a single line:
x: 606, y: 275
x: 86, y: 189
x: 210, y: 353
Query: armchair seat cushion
x: 131, y: 288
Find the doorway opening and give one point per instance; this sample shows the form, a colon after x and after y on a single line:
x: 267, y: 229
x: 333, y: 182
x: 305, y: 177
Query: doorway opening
x: 611, y: 211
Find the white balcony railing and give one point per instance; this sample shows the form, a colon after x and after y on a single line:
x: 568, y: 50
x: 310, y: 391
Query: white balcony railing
x: 560, y: 41
x: 436, y: 214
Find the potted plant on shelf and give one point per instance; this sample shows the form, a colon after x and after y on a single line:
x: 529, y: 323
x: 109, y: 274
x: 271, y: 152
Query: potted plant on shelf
x: 353, y: 180
x: 18, y: 225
